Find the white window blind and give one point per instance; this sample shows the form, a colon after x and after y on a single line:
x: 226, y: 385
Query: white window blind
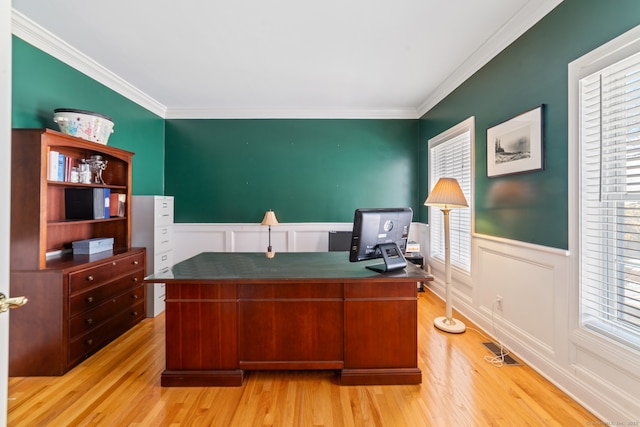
x: 610, y: 201
x: 451, y: 157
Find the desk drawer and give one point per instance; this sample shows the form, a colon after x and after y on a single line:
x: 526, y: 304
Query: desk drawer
x: 163, y: 238
x: 162, y: 261
x: 89, y: 320
x: 375, y: 290
x: 163, y: 211
x: 94, y: 297
x: 87, y: 344
x: 105, y: 272
x: 290, y: 291
x: 188, y: 292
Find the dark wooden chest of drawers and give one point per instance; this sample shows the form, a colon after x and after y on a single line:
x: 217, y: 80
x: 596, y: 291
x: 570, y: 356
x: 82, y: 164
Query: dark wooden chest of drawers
x: 74, y: 310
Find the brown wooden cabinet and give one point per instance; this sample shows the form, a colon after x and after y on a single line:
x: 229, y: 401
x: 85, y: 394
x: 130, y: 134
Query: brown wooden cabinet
x: 77, y: 303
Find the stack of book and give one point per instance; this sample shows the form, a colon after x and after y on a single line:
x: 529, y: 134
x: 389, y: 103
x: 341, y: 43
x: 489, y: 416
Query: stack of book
x: 116, y: 204
x: 87, y: 203
x: 60, y: 166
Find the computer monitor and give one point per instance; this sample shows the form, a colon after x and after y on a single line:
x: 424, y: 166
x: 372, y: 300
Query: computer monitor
x: 381, y: 233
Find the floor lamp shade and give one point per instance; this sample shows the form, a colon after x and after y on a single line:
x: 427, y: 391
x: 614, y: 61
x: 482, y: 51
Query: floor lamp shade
x: 447, y: 195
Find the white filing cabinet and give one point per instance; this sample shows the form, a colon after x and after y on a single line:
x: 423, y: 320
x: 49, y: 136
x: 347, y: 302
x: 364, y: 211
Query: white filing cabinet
x: 152, y: 228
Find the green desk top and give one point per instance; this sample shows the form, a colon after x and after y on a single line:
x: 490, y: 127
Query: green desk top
x: 283, y: 266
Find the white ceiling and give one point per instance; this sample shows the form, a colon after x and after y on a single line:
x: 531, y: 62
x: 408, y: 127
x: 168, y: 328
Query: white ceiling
x: 279, y: 58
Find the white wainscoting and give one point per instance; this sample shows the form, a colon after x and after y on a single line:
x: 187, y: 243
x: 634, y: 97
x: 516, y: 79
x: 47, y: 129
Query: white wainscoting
x: 538, y: 325
x: 191, y: 239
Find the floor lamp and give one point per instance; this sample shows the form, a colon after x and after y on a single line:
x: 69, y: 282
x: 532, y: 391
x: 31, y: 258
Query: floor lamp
x: 269, y: 219
x: 447, y: 195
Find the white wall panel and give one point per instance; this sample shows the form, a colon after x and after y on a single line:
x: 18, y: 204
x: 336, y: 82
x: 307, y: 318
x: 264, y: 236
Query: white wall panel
x: 252, y: 240
x: 191, y: 239
x: 309, y: 240
x: 524, y: 286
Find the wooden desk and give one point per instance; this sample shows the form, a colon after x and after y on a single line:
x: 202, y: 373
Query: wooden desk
x: 231, y: 312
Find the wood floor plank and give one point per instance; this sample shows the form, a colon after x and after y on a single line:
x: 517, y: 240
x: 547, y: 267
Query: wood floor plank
x: 120, y: 386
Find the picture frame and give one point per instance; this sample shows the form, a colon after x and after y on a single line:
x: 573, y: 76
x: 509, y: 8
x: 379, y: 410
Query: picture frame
x: 516, y: 145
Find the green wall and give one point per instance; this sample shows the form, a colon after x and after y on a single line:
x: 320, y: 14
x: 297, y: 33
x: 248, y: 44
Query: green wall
x: 41, y: 83
x: 321, y: 170
x: 305, y: 170
x: 530, y: 207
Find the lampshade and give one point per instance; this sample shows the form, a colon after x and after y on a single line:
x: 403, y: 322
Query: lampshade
x: 269, y: 218
x: 447, y: 193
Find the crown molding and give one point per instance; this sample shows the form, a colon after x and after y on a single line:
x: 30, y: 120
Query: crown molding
x: 42, y: 39
x: 522, y: 21
x: 288, y: 113
x: 32, y: 33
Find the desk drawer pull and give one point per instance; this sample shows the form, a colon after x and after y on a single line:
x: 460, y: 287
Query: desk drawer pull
x: 90, y: 278
x: 89, y: 321
x: 89, y: 299
x: 136, y: 262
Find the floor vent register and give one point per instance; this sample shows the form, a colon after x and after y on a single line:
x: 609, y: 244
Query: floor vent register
x: 495, y: 349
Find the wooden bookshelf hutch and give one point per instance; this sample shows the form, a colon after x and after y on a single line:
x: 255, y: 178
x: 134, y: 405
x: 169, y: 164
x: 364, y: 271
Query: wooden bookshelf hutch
x: 77, y: 303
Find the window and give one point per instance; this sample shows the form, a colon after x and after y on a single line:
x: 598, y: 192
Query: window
x: 450, y: 156
x: 609, y: 195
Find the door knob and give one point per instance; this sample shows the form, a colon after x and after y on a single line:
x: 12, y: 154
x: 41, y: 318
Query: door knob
x: 7, y: 303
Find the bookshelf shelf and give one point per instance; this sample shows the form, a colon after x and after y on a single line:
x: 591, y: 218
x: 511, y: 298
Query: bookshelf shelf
x: 72, y: 222
x: 80, y: 185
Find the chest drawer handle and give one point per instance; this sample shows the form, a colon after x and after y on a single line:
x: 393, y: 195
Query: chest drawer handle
x: 89, y: 299
x: 135, y: 313
x: 135, y: 279
x: 136, y: 262
x: 89, y: 321
x: 113, y: 263
x: 89, y: 342
x: 134, y: 296
x: 90, y: 278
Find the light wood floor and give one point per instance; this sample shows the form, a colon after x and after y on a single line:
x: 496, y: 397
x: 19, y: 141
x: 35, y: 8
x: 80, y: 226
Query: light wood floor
x: 120, y: 386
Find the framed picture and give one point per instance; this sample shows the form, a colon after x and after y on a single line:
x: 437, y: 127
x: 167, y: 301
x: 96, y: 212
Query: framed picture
x: 516, y: 145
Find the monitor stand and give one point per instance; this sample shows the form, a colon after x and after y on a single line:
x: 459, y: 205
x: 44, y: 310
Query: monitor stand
x: 393, y: 258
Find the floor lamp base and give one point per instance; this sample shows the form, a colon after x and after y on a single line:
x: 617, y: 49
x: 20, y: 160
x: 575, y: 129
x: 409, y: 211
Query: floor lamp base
x: 450, y: 325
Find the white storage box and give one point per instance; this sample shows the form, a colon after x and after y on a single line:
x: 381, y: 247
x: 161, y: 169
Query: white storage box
x: 92, y: 246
